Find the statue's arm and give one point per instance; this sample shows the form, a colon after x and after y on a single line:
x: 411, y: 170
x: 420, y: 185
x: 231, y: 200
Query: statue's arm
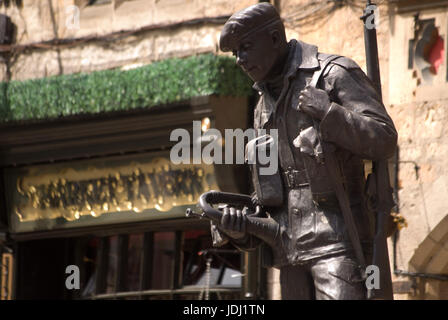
x: 357, y: 119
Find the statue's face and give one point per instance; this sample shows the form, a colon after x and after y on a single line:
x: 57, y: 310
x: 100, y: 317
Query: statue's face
x: 257, y: 54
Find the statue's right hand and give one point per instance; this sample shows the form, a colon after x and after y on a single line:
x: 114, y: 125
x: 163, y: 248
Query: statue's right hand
x: 233, y: 222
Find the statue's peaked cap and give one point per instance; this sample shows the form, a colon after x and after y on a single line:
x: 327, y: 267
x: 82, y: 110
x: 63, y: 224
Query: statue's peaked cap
x: 245, y: 22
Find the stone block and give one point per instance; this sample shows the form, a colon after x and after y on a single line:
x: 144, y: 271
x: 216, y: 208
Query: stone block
x: 439, y: 262
x: 423, y: 254
x: 440, y: 233
x: 436, y: 201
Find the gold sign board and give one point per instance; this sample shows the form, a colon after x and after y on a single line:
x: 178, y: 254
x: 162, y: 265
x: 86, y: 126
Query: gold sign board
x: 86, y: 193
x: 6, y: 276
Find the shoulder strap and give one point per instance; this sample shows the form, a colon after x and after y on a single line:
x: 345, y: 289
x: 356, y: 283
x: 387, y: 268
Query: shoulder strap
x: 318, y: 73
x: 335, y: 177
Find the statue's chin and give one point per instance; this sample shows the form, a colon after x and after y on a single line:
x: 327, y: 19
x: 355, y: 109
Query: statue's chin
x: 254, y: 75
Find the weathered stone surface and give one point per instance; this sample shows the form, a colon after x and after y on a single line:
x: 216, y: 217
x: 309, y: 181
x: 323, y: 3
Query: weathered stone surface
x: 439, y: 263
x: 35, y: 23
x: 143, y: 49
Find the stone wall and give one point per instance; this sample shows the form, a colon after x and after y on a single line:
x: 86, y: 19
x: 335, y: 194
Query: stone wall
x: 34, y: 24
x: 420, y: 110
x: 130, y: 52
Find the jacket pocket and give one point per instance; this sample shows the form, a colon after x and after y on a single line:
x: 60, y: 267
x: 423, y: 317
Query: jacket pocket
x: 347, y: 270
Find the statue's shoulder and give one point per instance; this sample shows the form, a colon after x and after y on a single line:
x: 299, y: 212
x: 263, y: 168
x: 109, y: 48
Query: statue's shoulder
x: 341, y: 61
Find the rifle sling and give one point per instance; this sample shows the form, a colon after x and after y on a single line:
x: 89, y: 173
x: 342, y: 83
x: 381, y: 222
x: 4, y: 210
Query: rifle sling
x: 335, y: 175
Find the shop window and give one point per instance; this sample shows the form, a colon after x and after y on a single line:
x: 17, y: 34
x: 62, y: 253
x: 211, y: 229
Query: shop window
x: 161, y: 265
x: 88, y: 249
x: 209, y: 267
x: 135, y: 255
x: 427, y: 49
x: 163, y: 260
x: 112, y: 264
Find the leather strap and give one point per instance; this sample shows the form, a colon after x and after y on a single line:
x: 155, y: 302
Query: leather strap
x: 317, y: 75
x: 336, y: 177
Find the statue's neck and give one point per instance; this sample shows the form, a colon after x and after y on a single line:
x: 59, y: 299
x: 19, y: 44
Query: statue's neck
x: 280, y: 65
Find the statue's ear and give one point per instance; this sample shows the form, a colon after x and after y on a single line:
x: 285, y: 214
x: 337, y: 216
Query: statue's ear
x: 275, y: 37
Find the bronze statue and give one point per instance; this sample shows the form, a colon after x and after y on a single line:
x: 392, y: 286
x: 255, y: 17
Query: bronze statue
x: 329, y: 117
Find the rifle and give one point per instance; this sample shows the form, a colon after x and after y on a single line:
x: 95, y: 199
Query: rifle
x: 379, y: 177
x: 266, y: 229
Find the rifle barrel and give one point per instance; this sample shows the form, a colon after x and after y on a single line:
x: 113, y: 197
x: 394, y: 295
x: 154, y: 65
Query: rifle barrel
x: 371, y: 47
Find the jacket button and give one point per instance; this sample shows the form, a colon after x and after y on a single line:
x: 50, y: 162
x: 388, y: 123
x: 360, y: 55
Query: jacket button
x: 295, y: 211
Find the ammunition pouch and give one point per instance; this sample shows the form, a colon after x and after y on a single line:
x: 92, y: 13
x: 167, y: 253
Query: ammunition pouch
x: 295, y: 178
x: 268, y: 185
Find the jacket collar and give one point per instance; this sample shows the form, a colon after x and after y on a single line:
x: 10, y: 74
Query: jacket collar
x: 302, y: 56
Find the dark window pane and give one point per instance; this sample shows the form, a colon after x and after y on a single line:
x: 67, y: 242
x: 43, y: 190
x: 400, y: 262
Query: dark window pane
x: 89, y: 260
x: 135, y: 250
x: 163, y: 260
x: 225, y: 262
x: 112, y: 264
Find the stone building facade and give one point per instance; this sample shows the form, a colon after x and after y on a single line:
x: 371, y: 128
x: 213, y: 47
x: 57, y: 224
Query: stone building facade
x: 70, y: 36
x: 164, y: 36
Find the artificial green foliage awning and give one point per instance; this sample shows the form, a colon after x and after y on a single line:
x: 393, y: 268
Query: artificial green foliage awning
x: 159, y: 83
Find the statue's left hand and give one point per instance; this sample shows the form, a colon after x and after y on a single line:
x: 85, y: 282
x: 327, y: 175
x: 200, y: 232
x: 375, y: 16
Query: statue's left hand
x: 314, y: 102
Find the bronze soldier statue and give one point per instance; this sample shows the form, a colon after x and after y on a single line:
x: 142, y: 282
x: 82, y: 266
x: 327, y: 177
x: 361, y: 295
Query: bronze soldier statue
x: 329, y: 117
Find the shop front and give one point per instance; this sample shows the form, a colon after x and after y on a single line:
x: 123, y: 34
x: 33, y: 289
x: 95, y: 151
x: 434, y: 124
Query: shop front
x: 94, y: 208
